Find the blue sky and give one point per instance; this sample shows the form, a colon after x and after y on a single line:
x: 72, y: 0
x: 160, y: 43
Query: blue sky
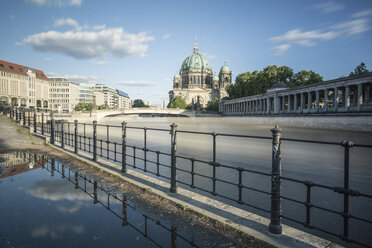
x: 137, y: 46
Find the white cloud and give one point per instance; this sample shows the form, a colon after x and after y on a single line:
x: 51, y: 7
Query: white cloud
x: 12, y: 17
x: 167, y: 80
x: 166, y: 36
x: 279, y: 50
x: 59, y: 3
x: 138, y: 83
x: 329, y: 7
x: 66, y: 21
x: 86, y: 42
x: 47, y: 59
x: 78, y: 78
x: 100, y: 62
x: 353, y: 27
x: 312, y: 37
x: 363, y: 13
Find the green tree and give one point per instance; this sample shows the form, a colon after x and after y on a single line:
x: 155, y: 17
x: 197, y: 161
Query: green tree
x: 304, y: 77
x: 103, y: 106
x: 83, y: 106
x: 138, y: 103
x: 359, y: 70
x: 258, y: 82
x: 214, y: 105
x: 177, y: 102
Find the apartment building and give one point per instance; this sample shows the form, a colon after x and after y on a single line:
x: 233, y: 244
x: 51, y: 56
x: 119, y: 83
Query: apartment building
x: 23, y: 86
x: 114, y: 98
x: 123, y: 100
x: 85, y: 92
x: 63, y: 94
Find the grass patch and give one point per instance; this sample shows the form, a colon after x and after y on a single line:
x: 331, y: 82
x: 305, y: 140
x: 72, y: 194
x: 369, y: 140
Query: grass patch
x: 182, y: 207
x: 147, y: 190
x: 19, y: 130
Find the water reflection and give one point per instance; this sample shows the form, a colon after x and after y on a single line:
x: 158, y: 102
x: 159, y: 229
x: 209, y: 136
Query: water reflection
x: 174, y: 235
x: 75, y: 203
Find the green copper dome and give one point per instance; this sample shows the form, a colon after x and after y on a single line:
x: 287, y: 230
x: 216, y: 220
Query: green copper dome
x: 196, y: 61
x: 225, y: 68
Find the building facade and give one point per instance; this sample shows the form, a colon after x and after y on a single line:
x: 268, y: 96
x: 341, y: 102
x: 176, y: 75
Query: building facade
x: 23, y: 86
x: 114, y: 98
x: 100, y: 97
x: 196, y: 83
x: 63, y: 94
x: 85, y: 93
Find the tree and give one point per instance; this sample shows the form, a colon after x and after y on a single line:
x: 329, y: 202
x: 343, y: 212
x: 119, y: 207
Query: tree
x: 214, y: 105
x: 359, y: 70
x: 138, y: 103
x: 258, y: 82
x: 177, y: 102
x: 304, y: 77
x: 103, y: 106
x: 83, y: 106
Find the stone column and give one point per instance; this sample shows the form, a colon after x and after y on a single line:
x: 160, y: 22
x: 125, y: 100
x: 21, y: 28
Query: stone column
x: 317, y: 101
x: 360, y: 97
x: 268, y: 105
x: 276, y: 104
x: 302, y: 104
x: 366, y: 95
x: 335, y: 99
x: 347, y: 98
x: 289, y: 103
x: 283, y: 104
x: 295, y: 103
x: 309, y: 101
x: 325, y: 107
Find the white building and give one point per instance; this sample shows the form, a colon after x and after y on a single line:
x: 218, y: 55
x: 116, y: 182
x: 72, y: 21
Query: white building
x: 63, y: 94
x: 85, y: 92
x: 114, y: 98
x: 23, y: 86
x: 100, y: 97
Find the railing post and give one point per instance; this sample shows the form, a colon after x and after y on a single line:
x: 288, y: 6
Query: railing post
x: 76, y: 136
x: 29, y: 117
x: 345, y: 214
x: 16, y: 114
x: 173, y: 187
x: 94, y: 140
x: 42, y: 123
x: 51, y: 128
x: 24, y: 117
x: 124, y: 168
x: 62, y: 134
x: 275, y: 219
x: 35, y: 122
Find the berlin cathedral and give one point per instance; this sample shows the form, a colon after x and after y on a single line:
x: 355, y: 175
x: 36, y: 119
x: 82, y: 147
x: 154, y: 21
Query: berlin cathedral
x: 196, y: 83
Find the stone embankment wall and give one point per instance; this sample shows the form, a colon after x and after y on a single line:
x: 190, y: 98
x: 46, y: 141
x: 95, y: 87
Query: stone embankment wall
x: 347, y: 123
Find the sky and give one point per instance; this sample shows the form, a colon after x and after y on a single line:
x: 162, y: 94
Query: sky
x: 138, y: 46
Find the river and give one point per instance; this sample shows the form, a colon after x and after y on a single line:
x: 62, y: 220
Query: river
x: 322, y: 164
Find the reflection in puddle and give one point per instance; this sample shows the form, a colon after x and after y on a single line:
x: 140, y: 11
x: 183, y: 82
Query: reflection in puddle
x: 49, y: 204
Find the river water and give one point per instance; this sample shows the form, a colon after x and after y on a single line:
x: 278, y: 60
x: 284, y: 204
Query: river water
x: 318, y: 163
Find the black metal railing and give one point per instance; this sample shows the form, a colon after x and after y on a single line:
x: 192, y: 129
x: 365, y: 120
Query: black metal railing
x: 163, y: 164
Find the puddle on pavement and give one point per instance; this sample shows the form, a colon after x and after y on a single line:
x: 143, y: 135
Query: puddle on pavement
x: 45, y: 203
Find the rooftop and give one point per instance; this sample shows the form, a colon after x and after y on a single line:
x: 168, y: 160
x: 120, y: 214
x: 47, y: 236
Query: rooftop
x: 21, y: 69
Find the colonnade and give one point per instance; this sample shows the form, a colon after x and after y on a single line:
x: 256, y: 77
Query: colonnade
x: 327, y: 97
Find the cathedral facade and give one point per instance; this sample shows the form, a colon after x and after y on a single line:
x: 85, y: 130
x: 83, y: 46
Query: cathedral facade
x: 196, y: 82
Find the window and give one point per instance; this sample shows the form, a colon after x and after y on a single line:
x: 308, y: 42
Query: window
x: 11, y: 67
